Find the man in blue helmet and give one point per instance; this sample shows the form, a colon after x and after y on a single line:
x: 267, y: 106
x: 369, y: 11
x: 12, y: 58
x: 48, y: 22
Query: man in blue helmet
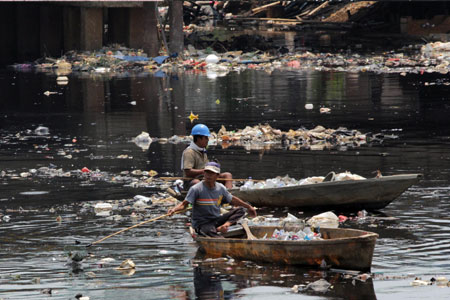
x: 194, y: 158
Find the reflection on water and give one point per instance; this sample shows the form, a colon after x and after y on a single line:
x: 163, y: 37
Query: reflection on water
x: 217, y: 280
x: 95, y: 120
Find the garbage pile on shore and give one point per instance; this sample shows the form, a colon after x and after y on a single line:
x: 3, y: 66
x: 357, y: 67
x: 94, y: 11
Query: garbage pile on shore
x: 116, y: 60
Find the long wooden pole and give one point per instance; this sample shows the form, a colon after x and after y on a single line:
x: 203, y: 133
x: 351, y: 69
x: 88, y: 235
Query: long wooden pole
x: 134, y: 226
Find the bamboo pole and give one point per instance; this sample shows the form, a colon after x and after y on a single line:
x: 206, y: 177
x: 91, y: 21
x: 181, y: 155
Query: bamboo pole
x: 134, y: 226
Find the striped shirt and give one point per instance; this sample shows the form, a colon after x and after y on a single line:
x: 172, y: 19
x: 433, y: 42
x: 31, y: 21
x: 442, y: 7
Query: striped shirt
x: 206, y: 202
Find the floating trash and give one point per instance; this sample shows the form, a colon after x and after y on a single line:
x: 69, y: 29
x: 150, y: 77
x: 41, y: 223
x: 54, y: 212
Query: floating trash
x: 419, y: 282
x: 48, y: 93
x: 34, y: 193
x: 325, y: 110
x: 143, y: 140
x: 41, y: 130
x: 127, y: 267
x: 326, y: 219
x: 101, y: 207
x: 212, y: 59
x: 320, y: 286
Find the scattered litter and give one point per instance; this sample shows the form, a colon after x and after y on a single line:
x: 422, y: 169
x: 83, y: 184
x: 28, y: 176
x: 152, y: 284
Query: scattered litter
x: 105, y: 261
x: 102, y: 207
x: 116, y: 60
x: 41, y: 130
x: 126, y: 265
x: 320, y: 286
x: 212, y: 59
x: 326, y: 219
x: 419, y: 282
x: 143, y: 140
x: 146, y: 200
x: 48, y: 93
x: 36, y: 280
x: 192, y: 117
x: 81, y: 297
x: 305, y: 234
x: 325, y: 110
x: 62, y: 80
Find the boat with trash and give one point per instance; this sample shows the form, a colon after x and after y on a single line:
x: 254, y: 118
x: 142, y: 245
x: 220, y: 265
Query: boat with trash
x: 338, y: 248
x: 327, y: 192
x: 369, y: 194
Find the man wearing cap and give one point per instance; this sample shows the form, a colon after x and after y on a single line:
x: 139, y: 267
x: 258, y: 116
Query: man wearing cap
x: 206, y: 197
x: 194, y: 158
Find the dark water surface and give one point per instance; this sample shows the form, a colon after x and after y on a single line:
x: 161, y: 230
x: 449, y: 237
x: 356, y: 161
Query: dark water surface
x: 100, y: 114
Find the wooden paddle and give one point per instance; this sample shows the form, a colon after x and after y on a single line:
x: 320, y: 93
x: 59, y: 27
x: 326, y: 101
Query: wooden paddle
x: 134, y: 226
x: 250, y: 236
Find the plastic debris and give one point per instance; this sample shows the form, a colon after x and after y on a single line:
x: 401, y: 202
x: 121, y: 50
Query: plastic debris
x: 419, y: 282
x: 320, y: 286
x: 143, y: 140
x: 62, y: 80
x: 101, y: 207
x: 146, y: 200
x: 326, y: 219
x: 48, y: 93
x: 442, y: 281
x: 41, y: 130
x: 305, y: 234
x: 127, y: 264
x: 105, y: 261
x: 212, y: 59
x: 192, y: 117
x: 279, y: 182
x: 431, y: 57
x: 325, y: 110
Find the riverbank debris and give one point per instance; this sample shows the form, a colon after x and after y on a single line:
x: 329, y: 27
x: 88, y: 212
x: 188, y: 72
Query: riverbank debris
x: 414, y: 58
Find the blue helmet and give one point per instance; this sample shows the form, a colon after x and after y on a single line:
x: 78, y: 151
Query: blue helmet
x: 200, y: 129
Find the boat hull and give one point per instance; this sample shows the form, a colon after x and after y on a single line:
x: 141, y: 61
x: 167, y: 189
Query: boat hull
x: 370, y: 194
x: 342, y: 248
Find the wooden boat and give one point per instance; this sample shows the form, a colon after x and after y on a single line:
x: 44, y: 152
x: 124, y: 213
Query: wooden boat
x: 349, y: 249
x: 369, y: 194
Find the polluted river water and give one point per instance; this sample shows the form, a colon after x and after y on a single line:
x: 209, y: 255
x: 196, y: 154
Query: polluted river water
x: 47, y: 202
